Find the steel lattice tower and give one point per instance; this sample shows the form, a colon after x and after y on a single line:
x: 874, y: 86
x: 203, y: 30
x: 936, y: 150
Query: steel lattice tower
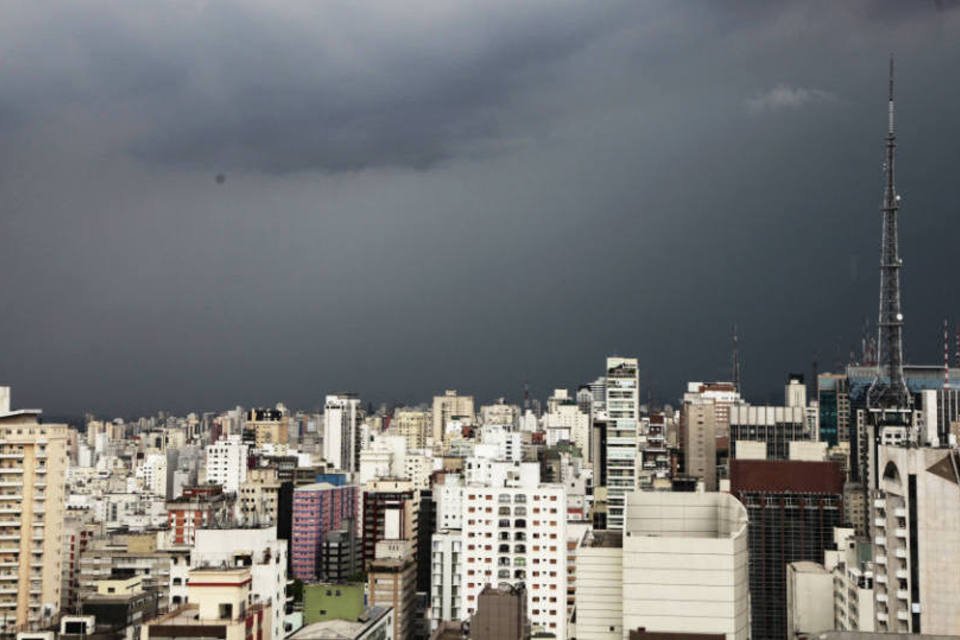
x: 889, y: 390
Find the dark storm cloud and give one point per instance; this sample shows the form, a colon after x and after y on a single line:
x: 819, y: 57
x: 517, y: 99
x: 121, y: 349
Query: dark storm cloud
x: 457, y: 194
x: 287, y: 87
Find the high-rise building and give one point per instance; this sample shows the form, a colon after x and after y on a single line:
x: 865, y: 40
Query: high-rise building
x: 916, y: 518
x: 517, y: 534
x: 777, y: 427
x: 622, y: 410
x: 833, y: 401
x: 391, y: 511
x: 317, y: 509
x: 392, y: 582
x: 698, y: 440
x: 446, y: 557
x: 448, y: 407
x: 32, y: 478
x: 341, y: 431
x: 793, y: 508
x: 227, y: 463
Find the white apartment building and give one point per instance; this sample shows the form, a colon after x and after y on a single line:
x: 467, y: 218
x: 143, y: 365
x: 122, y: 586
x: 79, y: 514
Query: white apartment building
x: 341, y: 431
x: 500, y: 442
x: 384, y: 457
x: 622, y: 415
x: 489, y: 471
x: 256, y: 549
x: 227, y: 463
x: 446, y: 560
x: 152, y: 472
x: 514, y: 534
x: 679, y: 566
x: 448, y: 497
x: 565, y: 421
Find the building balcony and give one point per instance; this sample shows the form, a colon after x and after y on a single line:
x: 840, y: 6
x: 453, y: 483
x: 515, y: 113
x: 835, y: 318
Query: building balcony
x: 880, y: 559
x: 882, y: 616
x: 880, y: 522
x: 900, y: 512
x: 903, y: 615
x: 900, y: 533
x: 902, y: 574
x: 900, y: 552
x: 880, y: 503
x: 11, y: 471
x: 880, y: 541
x: 882, y: 579
x: 882, y: 597
x: 903, y: 594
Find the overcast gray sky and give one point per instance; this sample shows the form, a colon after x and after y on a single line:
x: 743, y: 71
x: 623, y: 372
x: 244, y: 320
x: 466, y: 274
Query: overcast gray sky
x: 467, y: 194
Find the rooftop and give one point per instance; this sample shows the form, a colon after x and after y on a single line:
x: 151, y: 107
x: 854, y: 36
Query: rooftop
x: 341, y: 629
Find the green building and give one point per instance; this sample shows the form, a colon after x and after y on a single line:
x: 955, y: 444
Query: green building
x: 327, y: 601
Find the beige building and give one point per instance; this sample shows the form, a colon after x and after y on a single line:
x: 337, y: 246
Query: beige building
x: 851, y: 564
x: 698, y: 439
x: 414, y: 425
x: 916, y: 525
x: 258, y: 497
x: 392, y: 582
x: 221, y: 605
x: 446, y: 408
x: 809, y: 599
x: 33, y: 461
x: 680, y: 567
x: 270, y: 431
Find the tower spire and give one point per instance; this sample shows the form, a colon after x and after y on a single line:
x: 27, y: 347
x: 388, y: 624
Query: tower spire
x: 889, y: 390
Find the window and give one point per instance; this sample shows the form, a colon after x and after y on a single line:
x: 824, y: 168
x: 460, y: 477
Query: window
x: 226, y: 610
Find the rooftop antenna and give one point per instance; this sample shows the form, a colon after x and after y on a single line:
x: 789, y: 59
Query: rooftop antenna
x: 956, y: 357
x: 736, y: 360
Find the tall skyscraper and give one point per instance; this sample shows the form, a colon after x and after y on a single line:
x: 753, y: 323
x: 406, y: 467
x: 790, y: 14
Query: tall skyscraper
x: 792, y: 507
x: 341, y: 431
x: 33, y: 462
x: 622, y: 419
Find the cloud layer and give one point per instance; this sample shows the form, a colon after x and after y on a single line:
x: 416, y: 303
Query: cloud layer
x: 469, y: 195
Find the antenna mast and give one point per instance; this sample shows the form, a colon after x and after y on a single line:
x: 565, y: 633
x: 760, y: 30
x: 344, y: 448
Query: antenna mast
x: 889, y: 389
x: 736, y: 360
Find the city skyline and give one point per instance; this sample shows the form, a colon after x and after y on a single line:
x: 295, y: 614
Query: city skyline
x: 504, y: 205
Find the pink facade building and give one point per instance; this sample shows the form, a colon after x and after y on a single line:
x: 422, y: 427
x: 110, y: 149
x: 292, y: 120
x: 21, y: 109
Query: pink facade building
x: 317, y: 509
